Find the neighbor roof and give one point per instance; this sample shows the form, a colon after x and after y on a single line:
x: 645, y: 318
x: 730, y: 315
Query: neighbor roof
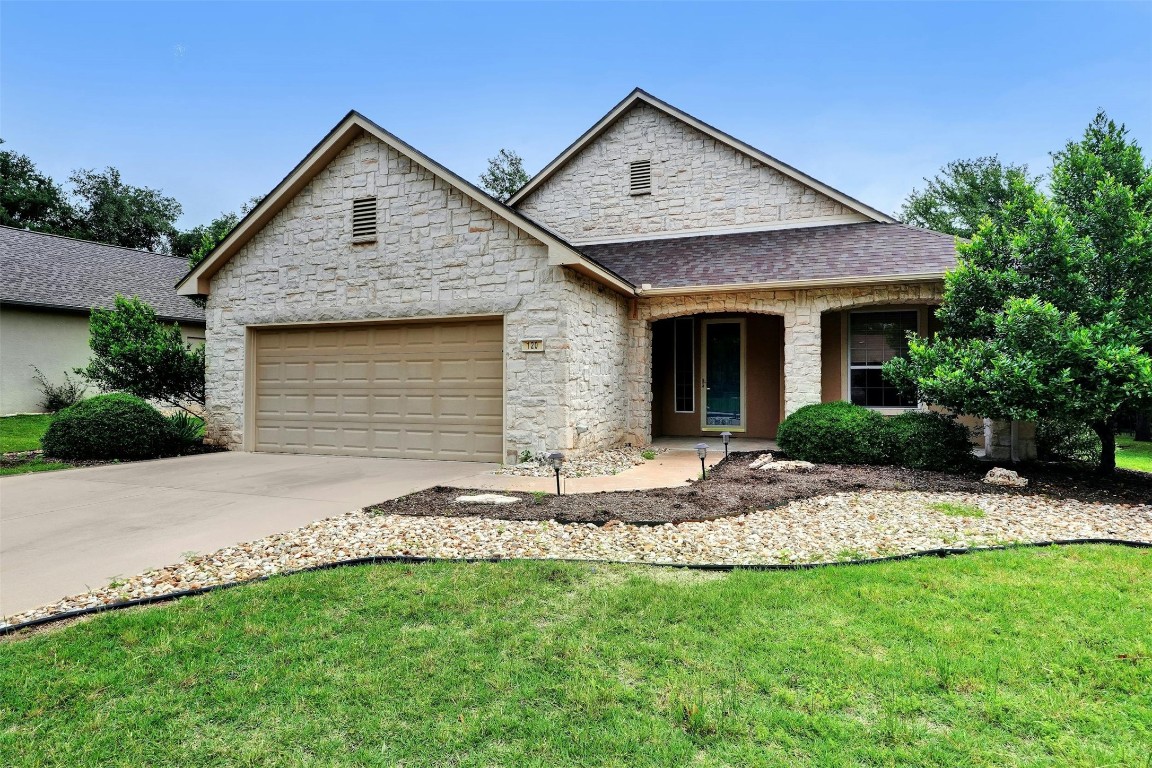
x: 803, y: 257
x: 39, y: 270
x: 354, y: 124
x: 640, y: 96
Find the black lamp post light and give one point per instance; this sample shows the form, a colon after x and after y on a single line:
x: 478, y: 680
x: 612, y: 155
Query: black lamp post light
x: 702, y: 452
x: 556, y: 459
x: 725, y: 436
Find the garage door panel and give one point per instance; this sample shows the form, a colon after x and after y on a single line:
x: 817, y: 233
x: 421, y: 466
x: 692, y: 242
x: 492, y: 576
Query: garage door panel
x: 419, y: 390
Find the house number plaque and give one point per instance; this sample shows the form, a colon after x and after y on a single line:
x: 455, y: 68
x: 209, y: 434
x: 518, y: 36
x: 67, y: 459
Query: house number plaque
x: 532, y: 345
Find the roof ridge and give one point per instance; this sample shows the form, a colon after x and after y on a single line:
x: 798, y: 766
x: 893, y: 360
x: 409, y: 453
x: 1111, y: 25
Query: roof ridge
x: 90, y: 242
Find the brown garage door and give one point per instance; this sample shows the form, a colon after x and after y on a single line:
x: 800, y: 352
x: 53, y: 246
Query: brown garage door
x: 398, y: 390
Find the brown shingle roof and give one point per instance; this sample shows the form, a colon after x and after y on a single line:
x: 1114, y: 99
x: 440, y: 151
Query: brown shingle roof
x: 62, y: 273
x: 840, y: 252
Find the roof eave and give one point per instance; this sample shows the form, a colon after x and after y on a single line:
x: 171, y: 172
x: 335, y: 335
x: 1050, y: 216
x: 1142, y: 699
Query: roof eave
x: 783, y: 285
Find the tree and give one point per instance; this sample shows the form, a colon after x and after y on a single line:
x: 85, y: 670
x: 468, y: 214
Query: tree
x: 504, y: 176
x: 196, y: 243
x: 962, y: 194
x: 116, y: 213
x: 29, y: 199
x: 134, y: 352
x: 1048, y: 313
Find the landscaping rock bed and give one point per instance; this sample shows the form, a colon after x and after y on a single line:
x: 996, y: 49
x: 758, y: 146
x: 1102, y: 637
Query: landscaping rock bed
x: 734, y: 488
x: 833, y: 528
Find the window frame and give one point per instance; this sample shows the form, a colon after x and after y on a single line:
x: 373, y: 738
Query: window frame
x: 846, y: 344
x: 691, y: 332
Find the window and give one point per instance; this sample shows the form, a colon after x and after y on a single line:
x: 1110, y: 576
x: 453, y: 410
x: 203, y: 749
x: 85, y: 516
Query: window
x: 364, y: 220
x: 874, y: 338
x: 640, y: 177
x: 684, y: 354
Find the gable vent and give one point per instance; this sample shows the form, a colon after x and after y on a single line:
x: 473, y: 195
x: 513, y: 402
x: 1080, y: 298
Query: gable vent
x: 364, y: 219
x: 640, y: 177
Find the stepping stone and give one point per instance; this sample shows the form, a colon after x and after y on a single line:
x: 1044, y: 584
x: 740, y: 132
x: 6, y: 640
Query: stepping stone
x: 487, y: 498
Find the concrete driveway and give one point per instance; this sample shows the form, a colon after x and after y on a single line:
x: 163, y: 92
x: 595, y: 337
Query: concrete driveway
x: 64, y: 532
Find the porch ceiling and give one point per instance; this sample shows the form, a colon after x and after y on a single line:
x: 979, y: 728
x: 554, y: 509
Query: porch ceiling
x: 836, y: 254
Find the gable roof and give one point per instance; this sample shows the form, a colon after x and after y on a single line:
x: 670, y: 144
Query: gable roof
x: 198, y: 281
x: 55, y: 272
x: 640, y: 96
x: 842, y: 254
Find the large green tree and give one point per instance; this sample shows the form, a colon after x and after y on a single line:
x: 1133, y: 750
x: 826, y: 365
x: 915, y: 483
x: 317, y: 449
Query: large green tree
x: 1048, y: 313
x: 504, y: 176
x: 29, y: 199
x: 958, y: 198
x: 133, y: 352
x: 110, y: 211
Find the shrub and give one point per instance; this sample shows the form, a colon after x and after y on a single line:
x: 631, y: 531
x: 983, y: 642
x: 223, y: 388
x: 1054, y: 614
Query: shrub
x: 834, y: 433
x: 57, y: 397
x: 1061, y: 440
x: 928, y: 440
x: 116, y: 426
x: 185, y: 431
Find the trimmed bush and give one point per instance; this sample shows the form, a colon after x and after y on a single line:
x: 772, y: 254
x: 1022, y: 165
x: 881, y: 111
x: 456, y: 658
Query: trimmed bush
x: 928, y: 440
x: 834, y: 433
x: 116, y: 426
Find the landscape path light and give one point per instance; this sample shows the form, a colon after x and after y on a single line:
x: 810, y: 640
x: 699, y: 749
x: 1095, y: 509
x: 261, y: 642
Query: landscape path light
x: 702, y: 452
x: 556, y: 459
x: 725, y: 436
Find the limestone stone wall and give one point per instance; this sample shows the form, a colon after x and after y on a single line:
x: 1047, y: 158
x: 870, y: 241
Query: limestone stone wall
x: 697, y: 183
x: 438, y: 254
x: 801, y: 310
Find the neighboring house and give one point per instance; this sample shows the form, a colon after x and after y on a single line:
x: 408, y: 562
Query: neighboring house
x: 657, y: 278
x: 49, y: 284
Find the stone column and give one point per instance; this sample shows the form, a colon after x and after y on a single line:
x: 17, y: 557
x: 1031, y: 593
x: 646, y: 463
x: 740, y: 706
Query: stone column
x: 639, y: 375
x: 801, y: 356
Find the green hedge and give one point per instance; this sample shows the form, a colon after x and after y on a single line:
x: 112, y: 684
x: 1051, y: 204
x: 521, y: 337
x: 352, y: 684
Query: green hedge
x: 928, y: 440
x: 843, y: 433
x: 115, y: 426
x: 834, y: 433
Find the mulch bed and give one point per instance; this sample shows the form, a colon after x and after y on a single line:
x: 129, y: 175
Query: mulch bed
x: 733, y: 489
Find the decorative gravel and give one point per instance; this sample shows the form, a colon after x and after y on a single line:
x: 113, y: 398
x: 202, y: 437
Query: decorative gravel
x: 610, y: 462
x: 835, y: 528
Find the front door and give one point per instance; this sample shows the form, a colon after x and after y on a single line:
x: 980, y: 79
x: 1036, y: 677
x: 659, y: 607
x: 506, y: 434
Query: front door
x: 723, y: 381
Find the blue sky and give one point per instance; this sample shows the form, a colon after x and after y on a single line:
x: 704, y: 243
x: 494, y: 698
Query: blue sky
x: 215, y: 102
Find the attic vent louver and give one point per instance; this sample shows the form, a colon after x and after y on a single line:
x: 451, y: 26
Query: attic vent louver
x: 364, y: 220
x: 640, y: 177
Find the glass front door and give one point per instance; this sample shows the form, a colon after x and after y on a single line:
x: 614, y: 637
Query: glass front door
x: 723, y: 375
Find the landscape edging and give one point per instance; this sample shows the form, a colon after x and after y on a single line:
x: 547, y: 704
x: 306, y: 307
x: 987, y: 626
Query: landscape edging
x: 416, y: 560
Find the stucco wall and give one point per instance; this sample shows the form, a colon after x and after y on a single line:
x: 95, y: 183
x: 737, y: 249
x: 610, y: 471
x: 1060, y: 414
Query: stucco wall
x: 55, y: 342
x: 438, y: 254
x: 698, y: 183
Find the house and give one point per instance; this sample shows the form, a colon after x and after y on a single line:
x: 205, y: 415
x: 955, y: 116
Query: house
x: 49, y: 284
x: 659, y: 277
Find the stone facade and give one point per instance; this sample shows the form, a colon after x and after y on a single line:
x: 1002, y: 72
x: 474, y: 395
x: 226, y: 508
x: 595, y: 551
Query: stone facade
x: 438, y: 254
x: 698, y: 184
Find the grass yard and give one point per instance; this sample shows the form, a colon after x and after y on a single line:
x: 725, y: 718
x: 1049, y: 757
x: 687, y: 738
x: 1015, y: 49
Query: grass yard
x: 1133, y: 455
x: 1035, y: 657
x: 23, y: 433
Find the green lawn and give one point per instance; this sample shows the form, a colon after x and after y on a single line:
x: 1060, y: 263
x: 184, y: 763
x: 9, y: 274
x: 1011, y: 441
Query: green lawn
x: 1133, y: 455
x: 1039, y: 657
x: 23, y: 433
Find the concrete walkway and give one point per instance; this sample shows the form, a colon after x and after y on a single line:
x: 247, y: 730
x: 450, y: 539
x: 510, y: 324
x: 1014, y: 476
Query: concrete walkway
x: 672, y: 468
x: 65, y: 532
